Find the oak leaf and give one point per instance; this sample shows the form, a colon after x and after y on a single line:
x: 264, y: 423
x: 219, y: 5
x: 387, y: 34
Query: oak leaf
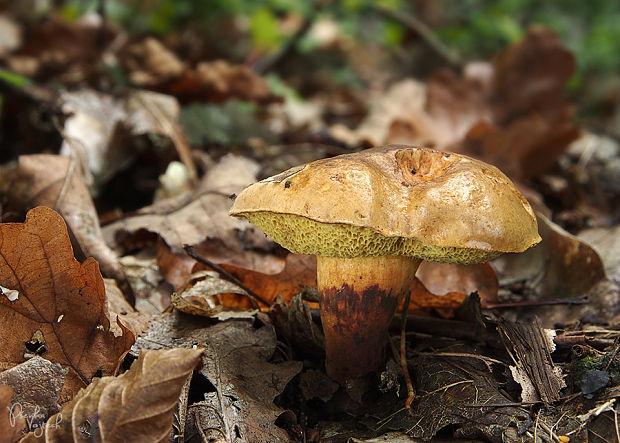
x: 53, y: 305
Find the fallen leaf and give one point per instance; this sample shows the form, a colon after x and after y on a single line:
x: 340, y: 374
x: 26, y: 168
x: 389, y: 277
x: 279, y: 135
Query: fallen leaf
x: 606, y: 242
x: 202, y: 296
x: 37, y: 384
x: 197, y: 216
x: 299, y: 271
x: 54, y: 181
x: 100, y: 130
x: 561, y: 266
x: 56, y: 49
x: 11, y: 423
x: 403, y: 103
x: 61, y: 307
x: 220, y: 80
x: 454, y: 282
x: 453, y: 392
x: 530, y: 76
x: 149, y: 63
x: 135, y: 406
x: 239, y: 406
x: 119, y: 308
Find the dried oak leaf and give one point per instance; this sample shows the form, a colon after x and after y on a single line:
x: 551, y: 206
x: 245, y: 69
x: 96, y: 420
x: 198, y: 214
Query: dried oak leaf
x: 11, y: 423
x: 53, y: 305
x: 135, y: 406
x: 453, y: 392
x: 42, y: 180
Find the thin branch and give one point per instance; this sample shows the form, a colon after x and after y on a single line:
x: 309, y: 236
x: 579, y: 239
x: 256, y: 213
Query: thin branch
x: 191, y: 251
x: 403, y: 353
x: 424, y: 32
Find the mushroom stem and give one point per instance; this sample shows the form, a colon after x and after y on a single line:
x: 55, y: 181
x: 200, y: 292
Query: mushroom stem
x: 358, y: 299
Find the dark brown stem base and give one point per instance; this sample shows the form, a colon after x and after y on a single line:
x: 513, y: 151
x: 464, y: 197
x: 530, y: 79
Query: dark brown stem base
x: 358, y: 300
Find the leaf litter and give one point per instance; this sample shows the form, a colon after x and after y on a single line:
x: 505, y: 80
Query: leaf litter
x: 262, y: 377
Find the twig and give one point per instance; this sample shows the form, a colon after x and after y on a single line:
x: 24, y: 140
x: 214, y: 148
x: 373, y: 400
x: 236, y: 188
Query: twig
x: 616, y: 425
x: 612, y: 356
x: 191, y: 251
x: 536, y: 303
x: 424, y: 32
x: 268, y: 62
x: 403, y: 353
x: 176, y: 134
x: 549, y: 430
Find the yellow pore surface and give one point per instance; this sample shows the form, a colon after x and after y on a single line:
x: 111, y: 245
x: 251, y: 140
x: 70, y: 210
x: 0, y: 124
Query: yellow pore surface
x: 304, y: 236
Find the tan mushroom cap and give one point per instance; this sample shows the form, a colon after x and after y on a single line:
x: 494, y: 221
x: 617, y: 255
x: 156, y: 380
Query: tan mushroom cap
x: 393, y: 200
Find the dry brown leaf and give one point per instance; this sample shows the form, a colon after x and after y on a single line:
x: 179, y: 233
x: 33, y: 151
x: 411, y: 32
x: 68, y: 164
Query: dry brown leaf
x: 200, y: 216
x: 530, y: 77
x: 11, y: 422
x: 442, y: 279
x: 513, y: 114
x: 401, y: 105
x: 135, y: 406
x: 42, y: 180
x: 299, y: 271
x: 561, y: 266
x: 119, y: 308
x: 422, y: 298
x: 202, y: 295
x: 177, y: 268
x: 53, y: 302
x: 220, y: 80
x: 150, y: 63
x: 69, y: 52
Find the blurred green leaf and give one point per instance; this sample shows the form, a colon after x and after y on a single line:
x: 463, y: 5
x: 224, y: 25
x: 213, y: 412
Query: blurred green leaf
x: 15, y: 80
x: 264, y: 30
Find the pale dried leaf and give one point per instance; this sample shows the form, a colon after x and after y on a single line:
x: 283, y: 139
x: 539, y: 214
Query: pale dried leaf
x: 135, y: 406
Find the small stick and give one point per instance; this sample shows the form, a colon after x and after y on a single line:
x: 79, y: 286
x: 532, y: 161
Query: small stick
x: 535, y: 303
x: 191, y: 251
x: 403, y: 353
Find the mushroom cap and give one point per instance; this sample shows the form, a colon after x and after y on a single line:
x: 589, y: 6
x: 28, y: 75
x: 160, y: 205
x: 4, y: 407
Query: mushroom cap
x: 393, y: 200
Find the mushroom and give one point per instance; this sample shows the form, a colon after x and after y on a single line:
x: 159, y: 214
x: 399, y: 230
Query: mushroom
x: 370, y: 218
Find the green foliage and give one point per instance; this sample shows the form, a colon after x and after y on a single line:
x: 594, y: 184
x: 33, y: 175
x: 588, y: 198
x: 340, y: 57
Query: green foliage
x: 479, y: 28
x: 474, y: 28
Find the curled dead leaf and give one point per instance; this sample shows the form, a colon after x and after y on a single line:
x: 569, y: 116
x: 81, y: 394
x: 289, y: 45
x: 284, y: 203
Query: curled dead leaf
x: 135, y: 406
